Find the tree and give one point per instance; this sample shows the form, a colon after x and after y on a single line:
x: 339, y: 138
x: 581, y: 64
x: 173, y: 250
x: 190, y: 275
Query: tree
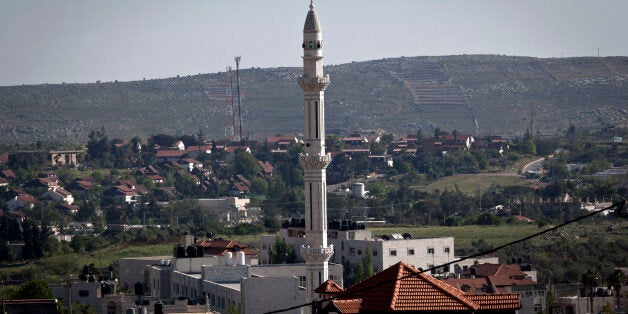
x: 367, y: 264
x: 245, y: 164
x: 282, y: 253
x: 590, y: 279
x: 616, y: 279
x: 259, y: 185
x: 36, y: 289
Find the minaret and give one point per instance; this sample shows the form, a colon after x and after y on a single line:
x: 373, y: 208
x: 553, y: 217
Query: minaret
x: 316, y: 253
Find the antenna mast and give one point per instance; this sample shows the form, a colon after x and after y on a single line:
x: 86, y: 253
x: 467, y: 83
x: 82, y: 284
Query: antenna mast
x: 237, y: 61
x: 229, y: 118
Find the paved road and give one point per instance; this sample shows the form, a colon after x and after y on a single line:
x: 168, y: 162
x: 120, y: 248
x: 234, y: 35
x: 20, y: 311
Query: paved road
x: 533, y: 166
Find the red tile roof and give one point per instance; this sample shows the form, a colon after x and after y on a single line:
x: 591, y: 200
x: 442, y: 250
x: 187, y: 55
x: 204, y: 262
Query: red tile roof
x: 352, y: 306
x: 27, y: 198
x: 170, y: 153
x: 474, y: 285
x: 404, y: 288
x: 221, y: 247
x: 191, y: 161
x: 502, y: 301
x: 266, y: 166
x: 276, y: 139
x: 328, y: 287
x: 9, y: 174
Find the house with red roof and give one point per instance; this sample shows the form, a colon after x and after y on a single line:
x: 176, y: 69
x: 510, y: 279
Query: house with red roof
x: 489, y: 278
x: 355, y: 141
x: 198, y: 150
x: 58, y: 195
x: 21, y: 200
x: 404, y: 289
x: 267, y: 168
x: 8, y: 174
x: 177, y: 145
x: 169, y: 155
x: 280, y: 143
x: 220, y: 247
x: 127, y: 191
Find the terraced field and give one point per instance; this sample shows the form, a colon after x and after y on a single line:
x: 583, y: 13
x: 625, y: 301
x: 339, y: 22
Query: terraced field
x: 399, y: 95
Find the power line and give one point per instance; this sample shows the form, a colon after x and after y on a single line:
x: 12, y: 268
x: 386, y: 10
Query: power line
x: 619, y: 207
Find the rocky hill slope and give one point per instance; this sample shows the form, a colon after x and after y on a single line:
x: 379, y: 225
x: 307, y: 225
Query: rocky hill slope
x: 483, y: 94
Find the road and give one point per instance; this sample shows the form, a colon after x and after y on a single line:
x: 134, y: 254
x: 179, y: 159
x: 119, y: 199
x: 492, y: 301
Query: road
x: 535, y: 166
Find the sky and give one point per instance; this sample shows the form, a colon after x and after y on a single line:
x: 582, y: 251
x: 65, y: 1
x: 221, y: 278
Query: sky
x: 75, y: 41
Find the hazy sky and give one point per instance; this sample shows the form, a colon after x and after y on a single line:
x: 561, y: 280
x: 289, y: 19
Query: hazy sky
x: 84, y: 41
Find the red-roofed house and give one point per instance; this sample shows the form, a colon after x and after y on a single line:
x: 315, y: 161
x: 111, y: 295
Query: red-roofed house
x: 58, y: 195
x: 280, y: 144
x: 196, y: 151
x: 500, y: 278
x: 8, y: 174
x: 169, y: 155
x: 178, y: 145
x: 402, y: 288
x: 21, y: 200
x: 267, y: 168
x: 220, y: 247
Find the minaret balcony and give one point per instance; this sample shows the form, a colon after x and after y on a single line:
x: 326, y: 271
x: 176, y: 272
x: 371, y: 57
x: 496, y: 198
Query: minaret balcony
x: 316, y: 255
x: 313, y: 84
x: 309, y: 162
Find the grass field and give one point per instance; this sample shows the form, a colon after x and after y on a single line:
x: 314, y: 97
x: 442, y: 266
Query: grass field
x: 464, y: 235
x: 470, y: 183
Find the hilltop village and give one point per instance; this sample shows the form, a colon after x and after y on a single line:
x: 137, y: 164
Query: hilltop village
x: 152, y: 191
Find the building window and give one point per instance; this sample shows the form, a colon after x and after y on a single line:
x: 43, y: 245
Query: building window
x: 374, y: 253
x: 303, y: 281
x: 410, y: 251
x: 263, y: 247
x: 393, y: 252
x: 446, y: 250
x: 538, y: 308
x: 351, y: 251
x: 430, y: 250
x: 352, y: 235
x: 83, y: 293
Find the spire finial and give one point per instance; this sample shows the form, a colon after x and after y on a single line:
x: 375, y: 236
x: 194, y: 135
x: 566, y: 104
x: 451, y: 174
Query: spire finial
x: 311, y: 5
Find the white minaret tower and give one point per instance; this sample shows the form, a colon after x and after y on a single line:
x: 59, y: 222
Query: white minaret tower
x: 316, y: 253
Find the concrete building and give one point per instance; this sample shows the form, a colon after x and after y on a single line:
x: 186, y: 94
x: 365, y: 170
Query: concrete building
x: 226, y: 283
x: 313, y: 82
x: 227, y: 209
x: 351, y: 241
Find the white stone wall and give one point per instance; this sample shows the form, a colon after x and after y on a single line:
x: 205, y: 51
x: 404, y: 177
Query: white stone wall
x: 261, y: 295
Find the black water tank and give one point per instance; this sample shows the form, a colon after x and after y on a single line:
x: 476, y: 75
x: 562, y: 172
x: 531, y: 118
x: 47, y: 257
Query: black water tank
x: 139, y: 288
x: 180, y: 252
x: 191, y: 251
x: 159, y: 307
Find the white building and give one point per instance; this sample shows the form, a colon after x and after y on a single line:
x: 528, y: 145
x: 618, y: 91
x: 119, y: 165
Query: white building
x: 352, y: 242
x: 227, y: 283
x: 227, y: 209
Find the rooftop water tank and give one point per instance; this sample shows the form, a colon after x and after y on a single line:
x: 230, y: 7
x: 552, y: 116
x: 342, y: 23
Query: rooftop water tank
x: 358, y: 190
x: 241, y: 258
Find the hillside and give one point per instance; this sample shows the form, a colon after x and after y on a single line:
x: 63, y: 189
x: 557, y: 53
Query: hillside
x: 397, y: 95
